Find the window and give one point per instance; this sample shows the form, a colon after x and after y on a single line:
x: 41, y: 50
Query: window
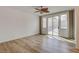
x: 64, y: 21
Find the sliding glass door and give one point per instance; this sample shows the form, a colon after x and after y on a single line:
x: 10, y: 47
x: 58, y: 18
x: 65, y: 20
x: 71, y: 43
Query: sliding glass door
x: 53, y: 24
x: 58, y: 24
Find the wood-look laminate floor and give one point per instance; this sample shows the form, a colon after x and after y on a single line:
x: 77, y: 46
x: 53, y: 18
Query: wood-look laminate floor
x: 37, y: 44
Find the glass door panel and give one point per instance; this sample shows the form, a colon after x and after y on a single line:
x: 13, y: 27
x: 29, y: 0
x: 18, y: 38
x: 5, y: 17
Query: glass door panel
x: 50, y: 25
x: 55, y: 26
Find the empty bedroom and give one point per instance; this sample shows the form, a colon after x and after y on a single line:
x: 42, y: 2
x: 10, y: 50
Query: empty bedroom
x: 39, y: 29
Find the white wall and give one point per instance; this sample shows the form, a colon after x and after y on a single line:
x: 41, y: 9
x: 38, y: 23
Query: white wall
x: 15, y: 24
x: 77, y: 26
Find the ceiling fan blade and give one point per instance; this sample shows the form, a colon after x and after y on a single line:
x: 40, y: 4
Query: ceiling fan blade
x: 37, y: 9
x: 45, y: 8
x: 42, y: 10
x: 47, y: 11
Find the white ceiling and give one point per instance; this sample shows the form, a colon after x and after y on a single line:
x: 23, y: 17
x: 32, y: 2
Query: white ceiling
x: 52, y: 9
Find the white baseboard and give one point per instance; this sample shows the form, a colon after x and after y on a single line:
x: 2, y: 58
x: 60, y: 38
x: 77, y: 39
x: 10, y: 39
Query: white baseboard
x: 14, y: 38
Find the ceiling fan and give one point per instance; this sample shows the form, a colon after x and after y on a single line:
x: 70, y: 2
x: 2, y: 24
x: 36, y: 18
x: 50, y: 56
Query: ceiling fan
x: 42, y: 10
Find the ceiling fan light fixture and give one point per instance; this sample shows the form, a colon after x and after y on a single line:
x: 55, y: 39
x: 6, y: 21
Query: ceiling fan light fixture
x: 42, y: 10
